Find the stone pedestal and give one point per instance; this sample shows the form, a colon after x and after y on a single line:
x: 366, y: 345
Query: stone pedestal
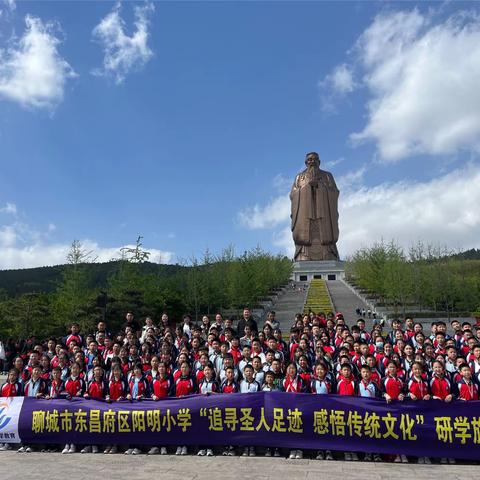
x: 326, y: 270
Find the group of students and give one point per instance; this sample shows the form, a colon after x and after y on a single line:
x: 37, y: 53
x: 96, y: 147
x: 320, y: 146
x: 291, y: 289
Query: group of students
x: 321, y: 356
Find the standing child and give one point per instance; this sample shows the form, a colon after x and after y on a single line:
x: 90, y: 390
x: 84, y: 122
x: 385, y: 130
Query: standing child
x: 117, y: 390
x: 184, y: 385
x: 96, y: 390
x: 369, y: 389
x: 229, y: 386
x: 293, y: 383
x: 207, y: 386
x: 321, y: 385
x: 392, y: 389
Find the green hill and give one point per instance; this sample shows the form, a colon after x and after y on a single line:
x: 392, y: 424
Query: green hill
x: 45, y: 279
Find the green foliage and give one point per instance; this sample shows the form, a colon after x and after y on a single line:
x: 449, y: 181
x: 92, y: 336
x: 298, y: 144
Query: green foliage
x: 429, y: 277
x: 84, y: 291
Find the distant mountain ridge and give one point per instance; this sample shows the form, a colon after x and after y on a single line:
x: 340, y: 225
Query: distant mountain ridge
x: 46, y: 279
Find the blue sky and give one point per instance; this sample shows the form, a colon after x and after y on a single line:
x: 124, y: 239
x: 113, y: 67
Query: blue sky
x: 185, y: 122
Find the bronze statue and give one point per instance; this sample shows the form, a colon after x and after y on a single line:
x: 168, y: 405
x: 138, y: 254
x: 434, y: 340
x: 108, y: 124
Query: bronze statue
x: 314, y: 198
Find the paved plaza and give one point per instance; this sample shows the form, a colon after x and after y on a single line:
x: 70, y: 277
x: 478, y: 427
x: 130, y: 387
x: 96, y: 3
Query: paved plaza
x: 34, y: 466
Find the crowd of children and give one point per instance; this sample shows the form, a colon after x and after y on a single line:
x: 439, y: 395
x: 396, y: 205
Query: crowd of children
x: 321, y: 355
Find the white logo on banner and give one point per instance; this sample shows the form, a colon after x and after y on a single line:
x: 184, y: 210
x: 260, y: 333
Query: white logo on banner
x: 9, y: 417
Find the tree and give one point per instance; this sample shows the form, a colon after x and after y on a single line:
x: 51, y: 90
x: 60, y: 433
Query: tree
x: 73, y: 300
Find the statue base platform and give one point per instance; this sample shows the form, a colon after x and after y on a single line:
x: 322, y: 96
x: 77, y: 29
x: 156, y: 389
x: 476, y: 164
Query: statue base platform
x: 326, y: 270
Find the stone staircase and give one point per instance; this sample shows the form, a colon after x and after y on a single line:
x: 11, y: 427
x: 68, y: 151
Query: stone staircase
x: 290, y: 303
x: 346, y: 301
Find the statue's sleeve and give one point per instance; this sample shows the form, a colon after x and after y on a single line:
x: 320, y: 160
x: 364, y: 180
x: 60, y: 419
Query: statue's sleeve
x: 295, y: 203
x: 333, y: 207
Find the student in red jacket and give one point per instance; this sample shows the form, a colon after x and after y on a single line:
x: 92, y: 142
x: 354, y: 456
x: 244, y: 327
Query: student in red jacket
x: 97, y: 389
x: 441, y: 389
x: 418, y: 390
x: 75, y: 385
x: 229, y: 385
x: 440, y: 385
x: 161, y: 387
x: 392, y: 389
x: 467, y: 390
x: 184, y: 385
x: 347, y: 385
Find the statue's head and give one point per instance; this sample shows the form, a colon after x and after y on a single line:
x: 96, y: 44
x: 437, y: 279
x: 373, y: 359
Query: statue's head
x: 312, y: 159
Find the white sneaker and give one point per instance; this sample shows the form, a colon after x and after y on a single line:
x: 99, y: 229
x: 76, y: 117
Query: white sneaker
x: 377, y: 457
x: 209, y: 452
x: 29, y: 450
x: 320, y: 455
x: 348, y: 456
x: 452, y: 461
x: 21, y: 449
x: 245, y: 452
x: 276, y: 453
x: 443, y: 461
x: 268, y: 452
x: 94, y: 449
x: 420, y: 460
x: 404, y: 458
x: 72, y: 449
x: 154, y: 451
x: 398, y: 459
x: 202, y: 453
x: 328, y: 455
x: 136, y: 451
x: 107, y: 450
x: 184, y: 450
x: 252, y: 452
x: 87, y: 449
x: 66, y: 449
x: 163, y: 451
x: 354, y: 456
x: 299, y: 455
x: 367, y: 457
x: 114, y: 449
x: 231, y: 451
x: 293, y: 454
x: 129, y: 451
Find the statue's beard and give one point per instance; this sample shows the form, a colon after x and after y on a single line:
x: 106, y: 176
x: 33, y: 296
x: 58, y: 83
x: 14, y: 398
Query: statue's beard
x: 312, y: 170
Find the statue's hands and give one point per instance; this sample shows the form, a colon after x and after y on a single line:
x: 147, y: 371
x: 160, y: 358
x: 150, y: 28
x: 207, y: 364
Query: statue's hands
x: 313, y: 183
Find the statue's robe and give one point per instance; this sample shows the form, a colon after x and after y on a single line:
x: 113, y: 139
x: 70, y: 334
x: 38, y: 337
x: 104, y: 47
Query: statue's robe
x: 315, y: 216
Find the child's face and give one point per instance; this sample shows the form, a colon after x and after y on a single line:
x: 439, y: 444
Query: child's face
x: 12, y: 377
x: 466, y: 373
x: 229, y: 375
x: 320, y: 371
x: 208, y: 372
x: 438, y: 369
x: 97, y: 373
x: 56, y: 375
x: 269, y: 379
x: 291, y: 370
x: 392, y: 369
x: 366, y: 374
x: 417, y: 371
x: 185, y: 369
x: 345, y: 372
x: 257, y: 364
x: 75, y: 370
x: 248, y: 372
x: 138, y: 372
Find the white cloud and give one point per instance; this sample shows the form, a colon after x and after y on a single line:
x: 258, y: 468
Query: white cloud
x: 440, y: 211
x: 9, y: 208
x: 122, y: 53
x: 340, y: 80
x: 24, y: 247
x: 423, y: 83
x: 32, y: 72
x: 335, y: 86
x: 273, y: 214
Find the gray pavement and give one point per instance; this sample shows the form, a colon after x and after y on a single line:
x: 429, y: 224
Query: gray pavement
x: 290, y: 303
x: 345, y: 301
x: 54, y: 466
